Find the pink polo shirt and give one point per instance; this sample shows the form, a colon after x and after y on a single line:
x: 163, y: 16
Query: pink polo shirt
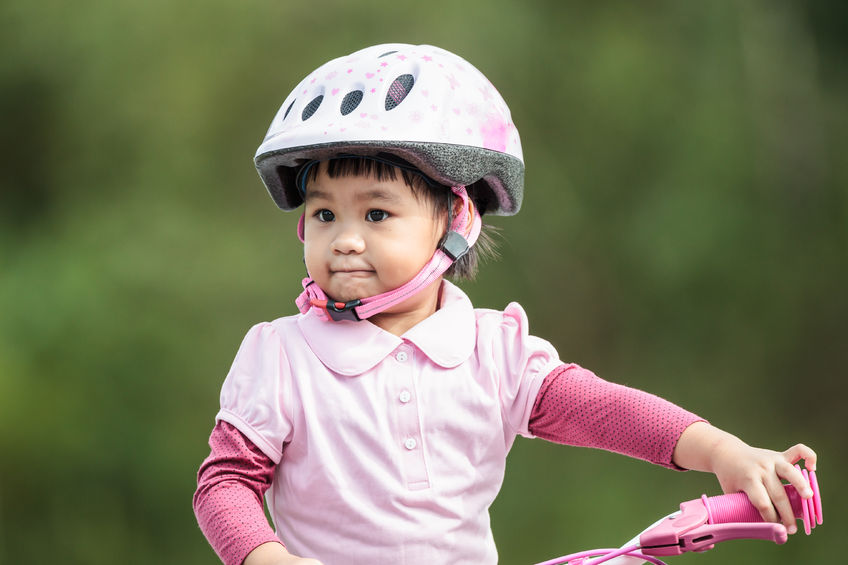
x: 388, y: 449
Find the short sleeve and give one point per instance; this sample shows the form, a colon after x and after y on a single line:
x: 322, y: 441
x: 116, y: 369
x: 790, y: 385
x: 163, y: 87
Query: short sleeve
x: 523, y: 361
x: 256, y: 394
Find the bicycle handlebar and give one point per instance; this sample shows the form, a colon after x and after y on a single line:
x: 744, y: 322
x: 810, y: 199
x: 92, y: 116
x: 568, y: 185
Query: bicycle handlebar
x: 703, y: 522
x: 728, y: 508
x: 706, y: 521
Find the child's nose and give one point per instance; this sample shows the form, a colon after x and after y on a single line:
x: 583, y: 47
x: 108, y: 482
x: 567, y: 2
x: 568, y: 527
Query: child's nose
x: 348, y: 240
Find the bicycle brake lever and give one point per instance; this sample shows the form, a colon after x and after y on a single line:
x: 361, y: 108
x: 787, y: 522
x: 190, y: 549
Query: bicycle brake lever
x: 690, y: 531
x: 705, y: 537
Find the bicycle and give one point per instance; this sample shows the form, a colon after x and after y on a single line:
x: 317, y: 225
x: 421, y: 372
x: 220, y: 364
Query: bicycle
x: 700, y: 524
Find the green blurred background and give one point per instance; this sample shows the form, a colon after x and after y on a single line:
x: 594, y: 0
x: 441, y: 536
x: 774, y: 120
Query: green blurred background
x: 684, y: 232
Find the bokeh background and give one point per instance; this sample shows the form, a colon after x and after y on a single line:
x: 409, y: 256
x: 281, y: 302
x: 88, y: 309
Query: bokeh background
x: 684, y: 232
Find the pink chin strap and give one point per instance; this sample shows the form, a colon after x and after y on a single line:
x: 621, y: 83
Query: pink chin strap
x: 463, y: 233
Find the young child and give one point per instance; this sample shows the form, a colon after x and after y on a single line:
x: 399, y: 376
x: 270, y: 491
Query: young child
x: 381, y: 416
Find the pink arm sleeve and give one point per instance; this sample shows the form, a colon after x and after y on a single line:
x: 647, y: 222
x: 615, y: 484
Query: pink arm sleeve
x: 575, y: 407
x: 228, y: 502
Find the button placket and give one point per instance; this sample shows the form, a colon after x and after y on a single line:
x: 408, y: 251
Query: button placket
x: 409, y: 429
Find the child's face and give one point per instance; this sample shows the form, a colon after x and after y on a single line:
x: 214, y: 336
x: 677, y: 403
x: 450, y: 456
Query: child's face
x: 364, y: 236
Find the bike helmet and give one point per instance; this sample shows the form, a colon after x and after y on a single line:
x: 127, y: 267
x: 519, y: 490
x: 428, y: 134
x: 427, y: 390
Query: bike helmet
x: 421, y: 103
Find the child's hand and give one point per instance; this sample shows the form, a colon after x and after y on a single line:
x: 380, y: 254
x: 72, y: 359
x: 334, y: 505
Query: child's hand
x: 742, y: 468
x: 759, y: 474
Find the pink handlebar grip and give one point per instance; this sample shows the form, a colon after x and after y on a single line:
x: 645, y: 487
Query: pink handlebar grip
x: 701, y: 523
x: 736, y: 507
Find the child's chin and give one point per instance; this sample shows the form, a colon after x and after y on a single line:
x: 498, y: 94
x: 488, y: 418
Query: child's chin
x: 348, y: 294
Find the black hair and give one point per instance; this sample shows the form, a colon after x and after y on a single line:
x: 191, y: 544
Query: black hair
x: 438, y: 196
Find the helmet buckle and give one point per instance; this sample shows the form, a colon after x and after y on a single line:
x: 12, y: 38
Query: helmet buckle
x: 338, y: 311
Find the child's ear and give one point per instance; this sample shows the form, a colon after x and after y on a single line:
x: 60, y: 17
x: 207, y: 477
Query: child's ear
x: 300, y: 234
x: 457, y: 206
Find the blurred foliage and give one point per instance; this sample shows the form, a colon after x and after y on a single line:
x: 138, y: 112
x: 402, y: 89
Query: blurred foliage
x: 684, y: 231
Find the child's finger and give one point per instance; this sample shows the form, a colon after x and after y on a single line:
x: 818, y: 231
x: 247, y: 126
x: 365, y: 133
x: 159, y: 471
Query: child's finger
x: 781, y: 503
x: 761, y: 499
x: 790, y: 472
x: 800, y: 451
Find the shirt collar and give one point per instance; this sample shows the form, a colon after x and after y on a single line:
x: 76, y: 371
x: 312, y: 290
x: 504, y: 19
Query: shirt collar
x: 351, y: 348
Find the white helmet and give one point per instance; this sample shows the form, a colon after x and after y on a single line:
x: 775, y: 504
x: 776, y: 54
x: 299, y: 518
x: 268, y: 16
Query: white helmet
x: 421, y: 103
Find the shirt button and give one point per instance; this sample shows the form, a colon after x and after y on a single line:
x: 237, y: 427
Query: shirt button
x: 405, y: 396
x: 410, y: 443
x: 402, y: 356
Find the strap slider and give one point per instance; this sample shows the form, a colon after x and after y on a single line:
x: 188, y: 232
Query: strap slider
x: 454, y: 245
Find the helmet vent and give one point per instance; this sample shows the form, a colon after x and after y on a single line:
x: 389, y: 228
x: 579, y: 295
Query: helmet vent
x: 312, y: 107
x: 398, y: 90
x: 351, y: 101
x: 286, y: 115
x: 386, y: 54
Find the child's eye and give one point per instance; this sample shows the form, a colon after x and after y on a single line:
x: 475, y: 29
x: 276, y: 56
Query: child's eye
x: 376, y: 215
x: 325, y: 216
